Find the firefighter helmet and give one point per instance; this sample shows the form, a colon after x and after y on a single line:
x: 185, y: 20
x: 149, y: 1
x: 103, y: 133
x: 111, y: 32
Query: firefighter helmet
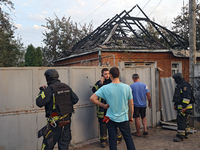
x: 52, y: 73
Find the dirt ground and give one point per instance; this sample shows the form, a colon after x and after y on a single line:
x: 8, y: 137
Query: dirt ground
x: 158, y: 139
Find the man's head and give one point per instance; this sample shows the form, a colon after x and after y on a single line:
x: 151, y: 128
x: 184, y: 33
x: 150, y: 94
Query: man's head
x: 178, y: 77
x: 51, y: 74
x: 105, y: 73
x: 135, y: 77
x: 114, y: 72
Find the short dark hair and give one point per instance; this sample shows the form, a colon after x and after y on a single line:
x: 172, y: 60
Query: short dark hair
x: 135, y: 76
x: 115, y: 72
x: 104, y: 69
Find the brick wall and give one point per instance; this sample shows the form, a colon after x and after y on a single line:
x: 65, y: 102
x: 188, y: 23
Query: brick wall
x: 108, y: 58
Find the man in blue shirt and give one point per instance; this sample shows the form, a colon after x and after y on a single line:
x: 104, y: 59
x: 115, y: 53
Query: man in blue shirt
x: 119, y: 109
x: 140, y: 94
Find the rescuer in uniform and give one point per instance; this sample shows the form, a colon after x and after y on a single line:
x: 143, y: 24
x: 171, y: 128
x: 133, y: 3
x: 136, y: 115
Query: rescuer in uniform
x: 183, y: 99
x: 105, y: 79
x: 58, y: 99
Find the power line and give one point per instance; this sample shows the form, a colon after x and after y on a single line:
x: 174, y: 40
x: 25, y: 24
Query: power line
x: 144, y: 7
x: 155, y: 8
x: 94, y: 10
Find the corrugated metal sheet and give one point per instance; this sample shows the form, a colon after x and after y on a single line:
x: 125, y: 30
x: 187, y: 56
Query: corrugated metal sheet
x: 167, y: 91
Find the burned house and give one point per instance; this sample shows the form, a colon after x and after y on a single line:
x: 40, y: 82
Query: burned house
x: 135, y: 40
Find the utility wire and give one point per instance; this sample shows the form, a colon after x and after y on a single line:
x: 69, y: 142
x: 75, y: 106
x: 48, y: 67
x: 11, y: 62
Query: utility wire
x: 155, y: 8
x: 94, y: 11
x: 144, y: 7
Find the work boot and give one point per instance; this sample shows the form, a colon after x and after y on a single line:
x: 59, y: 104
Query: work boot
x: 178, y: 139
x: 186, y: 137
x: 103, y: 144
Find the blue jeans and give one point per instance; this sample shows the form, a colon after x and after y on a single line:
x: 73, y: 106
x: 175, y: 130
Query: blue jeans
x: 125, y: 130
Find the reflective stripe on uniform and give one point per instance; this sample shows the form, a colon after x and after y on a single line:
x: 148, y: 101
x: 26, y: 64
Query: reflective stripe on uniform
x: 119, y: 136
x: 103, y: 138
x: 182, y: 113
x: 96, y: 87
x: 181, y: 132
x: 179, y: 106
x: 48, y: 134
x: 43, y: 146
x: 188, y: 106
x: 54, y: 102
x: 42, y: 95
x: 185, y: 100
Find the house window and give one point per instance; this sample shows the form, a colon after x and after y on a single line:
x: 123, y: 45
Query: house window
x: 176, y: 67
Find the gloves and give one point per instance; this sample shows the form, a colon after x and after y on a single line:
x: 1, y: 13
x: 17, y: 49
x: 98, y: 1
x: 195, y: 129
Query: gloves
x: 106, y: 119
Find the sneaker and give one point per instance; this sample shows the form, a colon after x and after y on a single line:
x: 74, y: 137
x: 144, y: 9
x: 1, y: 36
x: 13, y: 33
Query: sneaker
x: 103, y: 144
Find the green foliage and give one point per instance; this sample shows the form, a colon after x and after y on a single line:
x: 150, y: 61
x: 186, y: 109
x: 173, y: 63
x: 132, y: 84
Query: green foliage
x: 60, y: 36
x: 11, y: 49
x: 33, y: 56
x: 181, y: 24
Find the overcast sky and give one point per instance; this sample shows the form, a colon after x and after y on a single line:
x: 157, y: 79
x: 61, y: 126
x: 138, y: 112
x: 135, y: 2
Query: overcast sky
x: 29, y: 15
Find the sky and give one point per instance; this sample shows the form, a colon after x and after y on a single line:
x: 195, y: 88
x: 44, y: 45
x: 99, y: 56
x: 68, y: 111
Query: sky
x: 29, y: 15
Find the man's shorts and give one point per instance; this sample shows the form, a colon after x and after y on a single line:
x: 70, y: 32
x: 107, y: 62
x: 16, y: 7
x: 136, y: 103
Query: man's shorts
x: 139, y: 111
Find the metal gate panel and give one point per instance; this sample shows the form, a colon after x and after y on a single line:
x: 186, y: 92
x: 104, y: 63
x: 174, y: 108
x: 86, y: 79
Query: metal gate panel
x: 84, y: 121
x: 147, y: 76
x: 18, y: 132
x: 12, y: 80
x: 144, y: 75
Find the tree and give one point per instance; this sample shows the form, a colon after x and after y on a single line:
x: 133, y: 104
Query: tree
x: 60, y: 36
x: 181, y: 24
x: 10, y: 48
x: 33, y: 57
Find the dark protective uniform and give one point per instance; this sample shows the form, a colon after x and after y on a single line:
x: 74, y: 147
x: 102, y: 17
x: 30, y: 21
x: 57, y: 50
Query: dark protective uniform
x: 58, y: 99
x: 101, y: 112
x: 183, y: 98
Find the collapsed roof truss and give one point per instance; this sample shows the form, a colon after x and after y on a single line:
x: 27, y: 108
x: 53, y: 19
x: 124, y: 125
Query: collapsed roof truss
x: 125, y: 31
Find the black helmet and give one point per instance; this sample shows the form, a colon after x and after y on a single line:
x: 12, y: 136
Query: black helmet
x: 52, y: 73
x: 178, y: 75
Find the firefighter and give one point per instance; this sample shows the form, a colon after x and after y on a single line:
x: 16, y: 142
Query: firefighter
x: 183, y: 99
x: 58, y: 99
x: 105, y: 79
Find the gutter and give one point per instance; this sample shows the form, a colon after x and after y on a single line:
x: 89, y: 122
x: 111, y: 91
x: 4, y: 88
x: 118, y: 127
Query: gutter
x: 82, y: 61
x: 114, y: 50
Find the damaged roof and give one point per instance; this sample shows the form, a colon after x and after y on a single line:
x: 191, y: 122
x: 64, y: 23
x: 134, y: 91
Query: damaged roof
x: 124, y: 31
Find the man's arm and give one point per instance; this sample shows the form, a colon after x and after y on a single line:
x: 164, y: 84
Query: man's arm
x: 130, y: 110
x: 149, y: 99
x: 43, y: 97
x: 94, y: 99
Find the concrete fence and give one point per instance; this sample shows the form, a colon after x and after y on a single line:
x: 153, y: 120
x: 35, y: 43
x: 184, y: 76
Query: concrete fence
x: 20, y: 118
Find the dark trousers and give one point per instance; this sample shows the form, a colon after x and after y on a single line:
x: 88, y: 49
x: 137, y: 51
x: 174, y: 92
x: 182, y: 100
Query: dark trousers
x: 124, y: 129
x: 103, y: 131
x: 61, y: 135
x: 182, y: 124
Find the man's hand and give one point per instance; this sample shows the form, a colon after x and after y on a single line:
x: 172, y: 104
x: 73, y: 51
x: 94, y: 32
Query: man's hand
x: 174, y: 107
x: 131, y: 120
x: 183, y: 110
x: 106, y: 106
x: 149, y: 105
x: 43, y: 87
x: 102, y: 80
